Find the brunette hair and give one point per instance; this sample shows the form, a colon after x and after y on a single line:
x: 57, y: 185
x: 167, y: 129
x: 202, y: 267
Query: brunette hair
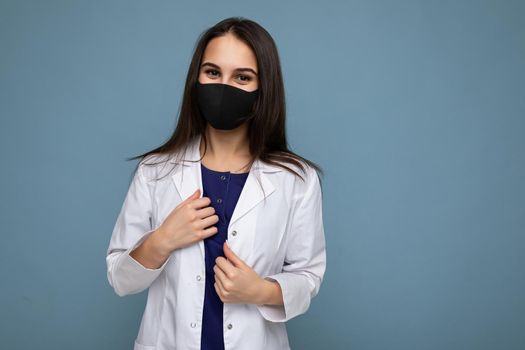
x: 267, y: 128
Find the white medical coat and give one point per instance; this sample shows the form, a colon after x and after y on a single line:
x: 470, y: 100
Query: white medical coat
x: 278, y: 231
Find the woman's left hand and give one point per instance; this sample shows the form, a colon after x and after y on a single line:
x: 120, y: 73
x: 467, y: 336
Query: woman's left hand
x: 235, y: 281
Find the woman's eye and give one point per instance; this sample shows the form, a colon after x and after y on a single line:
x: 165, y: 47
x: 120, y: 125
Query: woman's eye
x: 210, y: 70
x: 215, y: 73
x: 245, y: 76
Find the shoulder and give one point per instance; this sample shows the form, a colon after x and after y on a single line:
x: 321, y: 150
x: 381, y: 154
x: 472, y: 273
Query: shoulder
x: 155, y: 166
x: 303, y: 173
x: 305, y: 179
x: 311, y: 180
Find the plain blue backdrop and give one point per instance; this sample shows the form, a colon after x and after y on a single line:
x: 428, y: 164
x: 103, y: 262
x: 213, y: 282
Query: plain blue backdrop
x: 414, y: 109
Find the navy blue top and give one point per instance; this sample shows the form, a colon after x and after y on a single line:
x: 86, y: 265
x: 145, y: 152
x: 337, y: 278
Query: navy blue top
x: 223, y: 188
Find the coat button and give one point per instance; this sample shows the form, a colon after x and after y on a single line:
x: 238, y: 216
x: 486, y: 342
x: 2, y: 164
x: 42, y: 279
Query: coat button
x: 219, y: 200
x: 193, y: 324
x: 230, y: 326
x: 223, y: 177
x: 234, y: 233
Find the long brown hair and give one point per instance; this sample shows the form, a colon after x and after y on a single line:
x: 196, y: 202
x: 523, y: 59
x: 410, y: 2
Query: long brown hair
x: 267, y: 129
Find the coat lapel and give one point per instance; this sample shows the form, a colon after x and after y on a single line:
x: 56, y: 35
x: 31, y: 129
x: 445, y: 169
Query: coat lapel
x: 187, y: 178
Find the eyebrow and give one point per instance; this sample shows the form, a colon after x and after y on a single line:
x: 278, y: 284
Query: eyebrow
x: 237, y: 69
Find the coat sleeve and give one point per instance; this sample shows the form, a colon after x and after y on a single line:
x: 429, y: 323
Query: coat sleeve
x: 305, y: 259
x: 125, y: 274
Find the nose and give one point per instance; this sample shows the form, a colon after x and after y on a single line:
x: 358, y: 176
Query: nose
x: 225, y: 79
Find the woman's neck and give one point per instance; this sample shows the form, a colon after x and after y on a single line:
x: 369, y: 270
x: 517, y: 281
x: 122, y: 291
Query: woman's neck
x: 226, y: 150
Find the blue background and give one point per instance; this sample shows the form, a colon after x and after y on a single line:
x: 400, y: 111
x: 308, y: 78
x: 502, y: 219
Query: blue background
x: 415, y: 110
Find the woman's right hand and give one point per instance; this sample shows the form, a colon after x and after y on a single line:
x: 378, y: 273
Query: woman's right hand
x: 188, y: 223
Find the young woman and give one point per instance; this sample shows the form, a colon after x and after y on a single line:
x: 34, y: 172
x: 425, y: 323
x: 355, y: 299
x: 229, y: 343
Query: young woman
x: 223, y: 223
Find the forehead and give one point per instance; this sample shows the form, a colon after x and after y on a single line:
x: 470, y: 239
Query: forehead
x: 229, y: 53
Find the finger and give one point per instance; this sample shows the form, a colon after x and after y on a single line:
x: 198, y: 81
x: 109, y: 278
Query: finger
x: 231, y: 256
x: 209, y: 221
x: 192, y: 197
x: 219, y: 274
x: 201, y: 202
x: 205, y: 212
x: 225, y: 266
x: 210, y: 231
x: 220, y: 283
x: 218, y: 291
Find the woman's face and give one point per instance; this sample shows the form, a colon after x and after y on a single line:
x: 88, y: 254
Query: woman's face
x: 228, y: 60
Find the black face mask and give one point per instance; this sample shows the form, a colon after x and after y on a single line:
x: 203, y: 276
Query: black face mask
x: 224, y: 106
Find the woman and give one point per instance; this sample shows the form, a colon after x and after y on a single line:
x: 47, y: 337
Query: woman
x: 222, y: 223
